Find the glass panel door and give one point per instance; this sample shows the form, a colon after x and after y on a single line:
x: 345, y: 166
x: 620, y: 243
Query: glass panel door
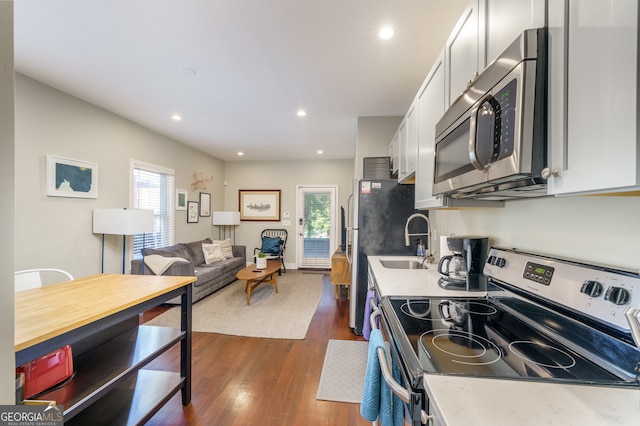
x: 316, y: 226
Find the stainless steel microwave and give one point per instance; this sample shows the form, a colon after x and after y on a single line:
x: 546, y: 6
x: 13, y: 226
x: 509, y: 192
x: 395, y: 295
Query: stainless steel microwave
x: 491, y: 143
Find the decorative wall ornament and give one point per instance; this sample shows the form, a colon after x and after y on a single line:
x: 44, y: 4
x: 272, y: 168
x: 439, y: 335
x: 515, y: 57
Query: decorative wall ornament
x: 200, y: 181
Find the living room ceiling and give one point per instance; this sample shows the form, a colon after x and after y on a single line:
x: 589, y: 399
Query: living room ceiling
x: 238, y: 71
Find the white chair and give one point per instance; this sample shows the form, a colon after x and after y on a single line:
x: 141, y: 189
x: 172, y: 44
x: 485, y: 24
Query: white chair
x: 33, y: 278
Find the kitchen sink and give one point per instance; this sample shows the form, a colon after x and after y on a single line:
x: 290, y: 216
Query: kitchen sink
x: 402, y: 264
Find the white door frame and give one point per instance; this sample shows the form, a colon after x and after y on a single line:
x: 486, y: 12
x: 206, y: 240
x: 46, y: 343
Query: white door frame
x: 335, y: 220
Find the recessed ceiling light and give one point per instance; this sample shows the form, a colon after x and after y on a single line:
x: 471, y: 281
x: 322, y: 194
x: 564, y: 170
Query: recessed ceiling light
x: 301, y: 113
x: 320, y: 151
x: 240, y: 153
x: 176, y: 117
x: 386, y: 33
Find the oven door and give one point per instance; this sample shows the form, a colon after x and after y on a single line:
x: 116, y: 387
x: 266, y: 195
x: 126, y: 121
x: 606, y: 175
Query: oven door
x: 416, y: 403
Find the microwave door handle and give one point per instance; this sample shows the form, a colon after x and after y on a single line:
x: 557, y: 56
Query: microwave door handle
x: 495, y: 105
x: 472, y: 139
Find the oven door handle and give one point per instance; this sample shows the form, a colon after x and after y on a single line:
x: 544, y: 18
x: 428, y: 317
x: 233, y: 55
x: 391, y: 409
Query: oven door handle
x: 633, y: 317
x: 395, y: 387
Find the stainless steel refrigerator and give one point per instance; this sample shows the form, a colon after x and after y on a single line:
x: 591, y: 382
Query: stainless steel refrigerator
x: 377, y: 211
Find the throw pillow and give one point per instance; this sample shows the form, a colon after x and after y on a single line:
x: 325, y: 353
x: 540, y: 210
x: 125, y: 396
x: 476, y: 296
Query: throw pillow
x: 212, y: 253
x: 225, y: 246
x: 271, y: 245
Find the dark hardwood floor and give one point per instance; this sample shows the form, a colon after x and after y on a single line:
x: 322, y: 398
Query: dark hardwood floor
x: 244, y: 380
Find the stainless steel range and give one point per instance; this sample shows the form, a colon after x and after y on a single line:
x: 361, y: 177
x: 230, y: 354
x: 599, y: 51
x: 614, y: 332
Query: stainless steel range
x: 542, y: 320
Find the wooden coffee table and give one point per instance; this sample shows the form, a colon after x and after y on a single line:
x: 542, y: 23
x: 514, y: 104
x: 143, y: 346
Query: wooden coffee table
x: 255, y: 277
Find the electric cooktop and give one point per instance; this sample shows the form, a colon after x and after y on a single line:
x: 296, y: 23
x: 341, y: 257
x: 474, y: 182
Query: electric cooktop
x: 478, y: 337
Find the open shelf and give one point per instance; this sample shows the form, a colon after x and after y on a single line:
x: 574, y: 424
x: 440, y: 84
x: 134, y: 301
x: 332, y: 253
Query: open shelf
x: 133, y: 401
x: 104, y: 368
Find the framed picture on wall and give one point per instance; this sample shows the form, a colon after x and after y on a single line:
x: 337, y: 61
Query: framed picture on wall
x: 205, y: 204
x: 181, y: 199
x: 259, y: 204
x: 192, y: 212
x: 71, y: 178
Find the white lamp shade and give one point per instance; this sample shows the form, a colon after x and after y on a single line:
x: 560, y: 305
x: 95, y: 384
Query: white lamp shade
x: 226, y: 218
x: 122, y: 221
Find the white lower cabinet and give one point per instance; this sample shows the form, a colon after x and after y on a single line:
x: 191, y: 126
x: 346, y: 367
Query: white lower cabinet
x: 594, y: 128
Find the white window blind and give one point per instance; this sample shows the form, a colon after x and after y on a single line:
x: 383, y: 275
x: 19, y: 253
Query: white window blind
x: 152, y: 188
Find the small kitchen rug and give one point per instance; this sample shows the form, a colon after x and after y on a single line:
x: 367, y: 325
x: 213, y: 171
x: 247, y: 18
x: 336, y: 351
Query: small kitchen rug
x: 342, y: 377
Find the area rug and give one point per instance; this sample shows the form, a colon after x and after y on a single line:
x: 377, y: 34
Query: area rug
x: 283, y: 315
x: 342, y: 377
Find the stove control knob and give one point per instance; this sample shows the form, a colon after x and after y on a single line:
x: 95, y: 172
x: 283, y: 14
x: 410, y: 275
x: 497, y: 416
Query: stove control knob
x: 617, y: 295
x: 501, y: 262
x: 592, y: 288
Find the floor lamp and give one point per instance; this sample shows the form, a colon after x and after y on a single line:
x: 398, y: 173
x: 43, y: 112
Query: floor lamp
x: 121, y: 222
x: 224, y: 219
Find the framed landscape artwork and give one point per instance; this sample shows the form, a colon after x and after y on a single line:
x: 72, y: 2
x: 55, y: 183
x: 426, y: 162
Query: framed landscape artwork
x: 259, y: 204
x: 71, y: 178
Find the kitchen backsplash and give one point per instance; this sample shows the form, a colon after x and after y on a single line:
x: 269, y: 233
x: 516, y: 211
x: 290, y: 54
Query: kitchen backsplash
x: 596, y: 229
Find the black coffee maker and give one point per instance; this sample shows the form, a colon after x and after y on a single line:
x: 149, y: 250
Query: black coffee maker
x: 462, y: 270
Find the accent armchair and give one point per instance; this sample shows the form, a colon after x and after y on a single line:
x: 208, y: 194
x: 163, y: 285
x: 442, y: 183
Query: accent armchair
x: 274, y: 244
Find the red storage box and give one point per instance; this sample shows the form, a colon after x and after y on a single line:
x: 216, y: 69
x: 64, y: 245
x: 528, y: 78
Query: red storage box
x: 47, y: 371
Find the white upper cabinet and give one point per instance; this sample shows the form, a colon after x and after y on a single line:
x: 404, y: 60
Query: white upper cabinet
x: 394, y: 153
x: 462, y: 54
x: 411, y: 144
x: 505, y: 20
x: 431, y: 106
x: 594, y: 128
x: 407, y: 141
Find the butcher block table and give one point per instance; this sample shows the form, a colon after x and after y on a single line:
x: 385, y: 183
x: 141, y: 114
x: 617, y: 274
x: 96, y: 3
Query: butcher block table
x: 255, y: 277
x: 99, y: 316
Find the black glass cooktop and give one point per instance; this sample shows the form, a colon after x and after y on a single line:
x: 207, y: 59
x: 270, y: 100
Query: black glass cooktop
x: 479, y: 337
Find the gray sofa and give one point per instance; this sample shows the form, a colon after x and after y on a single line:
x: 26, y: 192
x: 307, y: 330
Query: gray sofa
x: 210, y: 277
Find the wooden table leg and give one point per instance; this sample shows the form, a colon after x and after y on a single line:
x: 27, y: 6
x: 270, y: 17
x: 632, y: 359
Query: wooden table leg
x: 252, y: 284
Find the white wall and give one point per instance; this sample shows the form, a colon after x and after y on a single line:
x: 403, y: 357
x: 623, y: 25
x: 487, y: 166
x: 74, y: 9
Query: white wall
x: 57, y: 232
x: 374, y: 136
x: 282, y: 175
x: 603, y: 230
x: 7, y: 207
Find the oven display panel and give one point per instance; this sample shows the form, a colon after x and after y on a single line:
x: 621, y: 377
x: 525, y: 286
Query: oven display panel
x: 541, y: 274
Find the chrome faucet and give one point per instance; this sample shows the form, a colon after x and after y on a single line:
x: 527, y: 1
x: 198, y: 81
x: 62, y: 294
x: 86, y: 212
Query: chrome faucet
x: 407, y: 235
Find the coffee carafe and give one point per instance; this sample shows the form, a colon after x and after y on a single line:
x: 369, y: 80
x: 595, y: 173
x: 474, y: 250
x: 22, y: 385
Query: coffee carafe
x: 453, y: 266
x: 462, y: 269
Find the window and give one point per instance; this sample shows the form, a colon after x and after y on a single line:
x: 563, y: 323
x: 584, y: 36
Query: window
x: 152, y: 188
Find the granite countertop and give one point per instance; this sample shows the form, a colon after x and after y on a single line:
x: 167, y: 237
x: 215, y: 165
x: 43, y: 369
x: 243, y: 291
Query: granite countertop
x: 459, y: 401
